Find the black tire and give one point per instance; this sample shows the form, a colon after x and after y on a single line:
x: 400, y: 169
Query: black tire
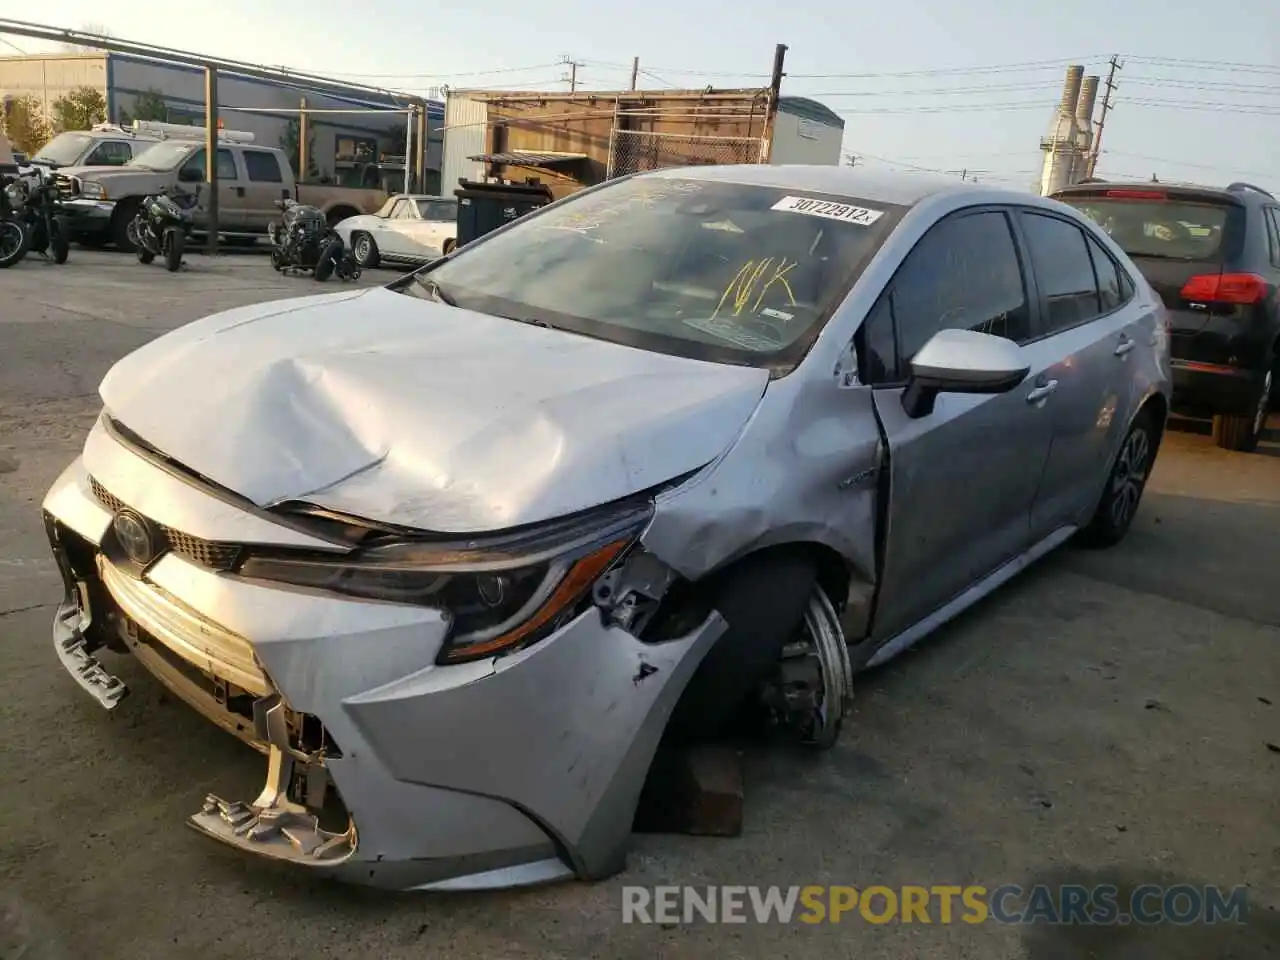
x: 123, y: 215
x: 174, y: 243
x: 59, y: 246
x: 365, y: 250
x: 328, y: 260
x: 277, y: 260
x: 143, y: 254
x: 763, y: 599
x: 1243, y: 433
x: 1126, y: 481
x: 14, y: 241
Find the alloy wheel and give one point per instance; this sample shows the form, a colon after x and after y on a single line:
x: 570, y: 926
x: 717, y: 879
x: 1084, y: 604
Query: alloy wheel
x: 1130, y: 476
x: 362, y: 249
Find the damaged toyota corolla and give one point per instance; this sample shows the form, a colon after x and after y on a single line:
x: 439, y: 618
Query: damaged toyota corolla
x: 457, y: 553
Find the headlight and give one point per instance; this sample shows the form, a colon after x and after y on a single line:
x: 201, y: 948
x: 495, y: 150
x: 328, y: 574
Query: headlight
x: 499, y: 593
x: 17, y: 196
x: 92, y: 190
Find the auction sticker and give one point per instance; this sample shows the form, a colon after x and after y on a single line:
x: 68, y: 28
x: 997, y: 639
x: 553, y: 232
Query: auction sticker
x: 830, y: 209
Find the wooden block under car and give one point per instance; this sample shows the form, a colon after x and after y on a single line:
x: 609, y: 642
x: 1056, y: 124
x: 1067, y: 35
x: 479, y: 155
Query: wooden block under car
x: 696, y: 791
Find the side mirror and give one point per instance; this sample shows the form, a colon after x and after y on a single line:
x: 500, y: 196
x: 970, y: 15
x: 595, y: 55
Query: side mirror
x: 962, y: 361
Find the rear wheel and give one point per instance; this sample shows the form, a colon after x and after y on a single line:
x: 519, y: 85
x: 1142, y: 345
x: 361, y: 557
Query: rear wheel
x: 13, y: 242
x: 174, y: 241
x: 328, y: 260
x: 1243, y: 433
x: 1125, y: 484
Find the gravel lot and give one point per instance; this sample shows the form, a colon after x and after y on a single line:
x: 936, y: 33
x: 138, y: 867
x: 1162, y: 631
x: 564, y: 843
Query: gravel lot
x: 1109, y: 716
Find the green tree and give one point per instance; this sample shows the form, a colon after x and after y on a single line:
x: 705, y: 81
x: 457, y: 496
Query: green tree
x: 80, y: 109
x: 290, y: 142
x: 25, y: 124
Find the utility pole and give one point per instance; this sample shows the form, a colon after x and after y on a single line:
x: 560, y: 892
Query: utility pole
x: 211, y: 156
x: 635, y: 71
x: 1096, y: 147
x: 775, y: 92
x: 304, y: 132
x: 573, y: 72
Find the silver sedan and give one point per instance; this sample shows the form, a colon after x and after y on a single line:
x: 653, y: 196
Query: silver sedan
x: 456, y: 554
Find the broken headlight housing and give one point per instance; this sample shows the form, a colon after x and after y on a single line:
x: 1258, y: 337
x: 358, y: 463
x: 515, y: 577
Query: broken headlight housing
x: 500, y: 592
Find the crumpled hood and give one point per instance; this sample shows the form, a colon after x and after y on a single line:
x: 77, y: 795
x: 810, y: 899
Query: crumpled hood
x: 411, y: 412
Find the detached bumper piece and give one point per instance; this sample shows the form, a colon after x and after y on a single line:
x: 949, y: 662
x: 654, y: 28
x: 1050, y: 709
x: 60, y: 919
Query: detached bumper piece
x: 275, y: 826
x: 73, y: 651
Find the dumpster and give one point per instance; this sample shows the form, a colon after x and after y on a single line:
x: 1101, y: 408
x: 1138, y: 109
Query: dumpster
x: 486, y: 206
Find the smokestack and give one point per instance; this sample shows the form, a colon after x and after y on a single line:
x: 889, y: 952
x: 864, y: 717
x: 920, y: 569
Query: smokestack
x: 1071, y: 90
x: 1060, y: 146
x: 1084, y: 127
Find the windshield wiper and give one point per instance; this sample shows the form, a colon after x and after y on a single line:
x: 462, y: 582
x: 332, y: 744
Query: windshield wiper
x: 427, y: 283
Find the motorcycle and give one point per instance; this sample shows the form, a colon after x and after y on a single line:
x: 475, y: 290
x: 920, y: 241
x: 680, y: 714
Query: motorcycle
x: 41, y: 215
x: 13, y: 230
x: 161, y: 226
x: 302, y: 240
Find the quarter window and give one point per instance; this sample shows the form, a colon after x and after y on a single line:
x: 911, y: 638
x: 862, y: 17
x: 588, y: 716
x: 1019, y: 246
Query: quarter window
x: 1107, y: 271
x: 1272, y: 215
x: 262, y: 167
x: 1060, y: 258
x: 110, y: 153
x: 964, y: 274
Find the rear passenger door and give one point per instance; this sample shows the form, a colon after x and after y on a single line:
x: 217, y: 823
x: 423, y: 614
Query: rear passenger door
x: 1088, y: 331
x: 264, y: 184
x: 963, y: 478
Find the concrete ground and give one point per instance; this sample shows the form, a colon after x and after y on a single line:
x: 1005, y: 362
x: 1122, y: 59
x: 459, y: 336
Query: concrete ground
x: 1107, y: 716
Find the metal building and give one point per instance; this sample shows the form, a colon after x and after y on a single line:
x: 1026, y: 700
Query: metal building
x: 340, y: 142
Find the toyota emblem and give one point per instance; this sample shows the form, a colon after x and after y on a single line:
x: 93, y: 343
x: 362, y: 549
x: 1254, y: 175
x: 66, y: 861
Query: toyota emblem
x: 135, y: 536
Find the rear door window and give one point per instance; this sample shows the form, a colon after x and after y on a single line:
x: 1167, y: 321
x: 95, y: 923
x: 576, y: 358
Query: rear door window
x: 262, y: 167
x: 1064, y: 270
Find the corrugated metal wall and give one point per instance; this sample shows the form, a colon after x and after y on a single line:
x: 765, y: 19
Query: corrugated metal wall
x: 53, y: 77
x: 464, y: 136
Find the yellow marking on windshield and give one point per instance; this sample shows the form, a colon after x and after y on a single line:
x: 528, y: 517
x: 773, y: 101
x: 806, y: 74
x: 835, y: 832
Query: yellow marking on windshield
x: 746, y: 284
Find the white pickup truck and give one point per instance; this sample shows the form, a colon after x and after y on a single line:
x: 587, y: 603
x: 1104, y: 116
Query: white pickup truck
x: 99, y: 201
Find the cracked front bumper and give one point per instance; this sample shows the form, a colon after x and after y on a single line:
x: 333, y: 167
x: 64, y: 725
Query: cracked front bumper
x: 495, y: 773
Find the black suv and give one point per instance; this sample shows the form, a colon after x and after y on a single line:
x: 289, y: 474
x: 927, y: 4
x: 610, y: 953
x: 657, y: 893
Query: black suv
x: 1213, y: 255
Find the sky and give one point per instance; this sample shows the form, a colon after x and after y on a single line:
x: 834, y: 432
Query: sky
x: 922, y: 84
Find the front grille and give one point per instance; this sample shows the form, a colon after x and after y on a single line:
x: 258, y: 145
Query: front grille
x: 68, y: 187
x: 207, y: 553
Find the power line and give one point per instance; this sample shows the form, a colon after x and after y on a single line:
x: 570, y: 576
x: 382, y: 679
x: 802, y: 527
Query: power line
x: 1016, y: 67
x: 1189, y: 164
x: 1221, y: 65
x: 449, y: 76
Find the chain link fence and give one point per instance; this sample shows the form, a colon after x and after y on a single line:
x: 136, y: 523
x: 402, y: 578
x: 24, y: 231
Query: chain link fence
x: 633, y: 151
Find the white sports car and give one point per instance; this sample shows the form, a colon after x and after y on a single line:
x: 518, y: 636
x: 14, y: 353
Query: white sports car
x: 410, y: 228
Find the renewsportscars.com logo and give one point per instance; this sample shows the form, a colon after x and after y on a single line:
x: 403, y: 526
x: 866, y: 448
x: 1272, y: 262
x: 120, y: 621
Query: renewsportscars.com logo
x: 1102, y: 904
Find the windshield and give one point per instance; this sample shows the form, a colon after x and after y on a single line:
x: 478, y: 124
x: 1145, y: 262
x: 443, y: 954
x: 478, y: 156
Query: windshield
x: 164, y: 155
x: 64, y: 149
x: 718, y: 271
x: 1166, y: 229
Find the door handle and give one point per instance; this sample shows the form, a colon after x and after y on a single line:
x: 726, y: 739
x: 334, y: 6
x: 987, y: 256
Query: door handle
x: 1042, y: 391
x: 1125, y: 346
x: 239, y: 191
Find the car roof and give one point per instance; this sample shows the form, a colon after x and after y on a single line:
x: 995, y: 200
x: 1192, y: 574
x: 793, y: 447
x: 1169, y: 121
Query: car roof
x: 904, y: 189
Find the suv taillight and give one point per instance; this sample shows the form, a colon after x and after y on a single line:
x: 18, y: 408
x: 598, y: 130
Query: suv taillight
x: 1225, y: 288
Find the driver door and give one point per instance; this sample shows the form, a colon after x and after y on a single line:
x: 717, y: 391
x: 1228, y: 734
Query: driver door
x: 389, y: 233
x: 963, y: 478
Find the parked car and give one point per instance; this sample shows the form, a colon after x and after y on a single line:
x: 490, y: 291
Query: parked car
x: 410, y: 228
x: 457, y: 552
x: 101, y: 202
x: 102, y: 145
x: 1213, y: 255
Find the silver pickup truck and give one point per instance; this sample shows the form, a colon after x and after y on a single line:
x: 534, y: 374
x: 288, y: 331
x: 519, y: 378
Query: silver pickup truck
x: 99, y: 201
